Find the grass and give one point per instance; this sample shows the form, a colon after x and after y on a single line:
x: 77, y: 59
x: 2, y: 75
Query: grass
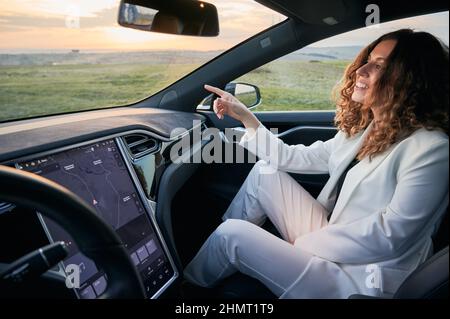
x: 27, y: 91
x: 296, y: 85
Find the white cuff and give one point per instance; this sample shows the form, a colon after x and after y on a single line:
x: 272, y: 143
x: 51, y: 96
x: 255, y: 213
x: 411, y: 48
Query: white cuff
x: 249, y: 135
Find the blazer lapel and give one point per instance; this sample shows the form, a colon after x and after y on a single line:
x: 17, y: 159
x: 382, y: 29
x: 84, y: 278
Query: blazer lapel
x: 359, y: 172
x: 327, y: 196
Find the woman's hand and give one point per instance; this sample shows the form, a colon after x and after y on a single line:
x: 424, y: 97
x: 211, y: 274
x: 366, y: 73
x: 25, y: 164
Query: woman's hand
x: 229, y: 105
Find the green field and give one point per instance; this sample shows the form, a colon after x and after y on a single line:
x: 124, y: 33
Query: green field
x: 296, y: 85
x: 33, y: 90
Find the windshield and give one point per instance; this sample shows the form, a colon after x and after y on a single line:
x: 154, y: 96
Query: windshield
x: 66, y: 56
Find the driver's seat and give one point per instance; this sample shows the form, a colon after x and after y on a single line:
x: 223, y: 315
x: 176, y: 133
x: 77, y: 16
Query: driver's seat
x: 428, y: 281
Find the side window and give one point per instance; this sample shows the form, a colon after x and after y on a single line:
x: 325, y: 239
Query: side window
x: 304, y: 80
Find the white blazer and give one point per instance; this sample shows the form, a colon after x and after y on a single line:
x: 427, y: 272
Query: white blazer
x: 381, y: 226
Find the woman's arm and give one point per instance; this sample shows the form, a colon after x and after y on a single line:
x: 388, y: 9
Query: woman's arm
x: 422, y: 190
x: 299, y: 158
x: 231, y: 106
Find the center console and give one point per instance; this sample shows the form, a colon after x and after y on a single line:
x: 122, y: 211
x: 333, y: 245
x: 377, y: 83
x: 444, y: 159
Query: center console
x: 101, y: 173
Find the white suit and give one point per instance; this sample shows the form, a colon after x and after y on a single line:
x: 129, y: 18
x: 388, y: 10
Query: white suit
x: 379, y: 232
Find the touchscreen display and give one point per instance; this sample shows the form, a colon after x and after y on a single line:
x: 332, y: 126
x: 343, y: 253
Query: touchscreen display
x: 98, y: 174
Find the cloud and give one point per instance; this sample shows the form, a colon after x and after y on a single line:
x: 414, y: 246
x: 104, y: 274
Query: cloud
x: 83, y: 8
x: 104, y: 18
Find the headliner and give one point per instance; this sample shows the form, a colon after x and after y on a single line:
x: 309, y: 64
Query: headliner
x: 314, y: 11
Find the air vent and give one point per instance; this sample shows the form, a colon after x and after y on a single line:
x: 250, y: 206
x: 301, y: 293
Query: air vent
x: 139, y: 145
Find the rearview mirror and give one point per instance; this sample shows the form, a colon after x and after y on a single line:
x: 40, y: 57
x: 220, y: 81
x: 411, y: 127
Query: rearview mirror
x: 184, y: 17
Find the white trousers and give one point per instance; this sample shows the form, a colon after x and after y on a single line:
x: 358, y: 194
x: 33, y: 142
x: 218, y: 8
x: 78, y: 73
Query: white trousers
x: 239, y: 244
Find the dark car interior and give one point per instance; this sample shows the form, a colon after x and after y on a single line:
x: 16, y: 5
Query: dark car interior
x: 183, y: 202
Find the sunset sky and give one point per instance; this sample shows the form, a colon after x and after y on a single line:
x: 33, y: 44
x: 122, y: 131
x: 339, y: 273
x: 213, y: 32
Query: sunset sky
x: 52, y: 25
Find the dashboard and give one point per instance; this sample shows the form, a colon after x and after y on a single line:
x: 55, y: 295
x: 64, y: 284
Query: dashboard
x: 118, y: 175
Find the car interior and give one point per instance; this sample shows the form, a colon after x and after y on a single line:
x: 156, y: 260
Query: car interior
x: 139, y: 247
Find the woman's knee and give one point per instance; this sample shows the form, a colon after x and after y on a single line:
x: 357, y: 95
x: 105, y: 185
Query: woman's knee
x: 234, y: 235
x: 232, y: 228
x: 256, y: 169
x: 263, y: 170
x: 253, y: 178
x: 260, y: 166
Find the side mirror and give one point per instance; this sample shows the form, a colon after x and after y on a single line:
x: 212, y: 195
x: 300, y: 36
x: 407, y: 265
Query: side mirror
x: 184, y: 17
x: 248, y: 94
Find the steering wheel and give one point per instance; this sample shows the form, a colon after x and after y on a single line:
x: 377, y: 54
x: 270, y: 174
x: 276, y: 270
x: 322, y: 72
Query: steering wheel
x: 93, y: 236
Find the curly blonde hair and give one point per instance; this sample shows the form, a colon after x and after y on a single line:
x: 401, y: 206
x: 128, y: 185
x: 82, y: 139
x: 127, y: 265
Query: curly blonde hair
x: 411, y: 93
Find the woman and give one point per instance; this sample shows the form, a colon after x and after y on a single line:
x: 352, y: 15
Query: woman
x: 387, y: 191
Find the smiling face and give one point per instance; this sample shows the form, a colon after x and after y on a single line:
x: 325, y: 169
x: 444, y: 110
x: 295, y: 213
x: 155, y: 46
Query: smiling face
x: 370, y: 72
